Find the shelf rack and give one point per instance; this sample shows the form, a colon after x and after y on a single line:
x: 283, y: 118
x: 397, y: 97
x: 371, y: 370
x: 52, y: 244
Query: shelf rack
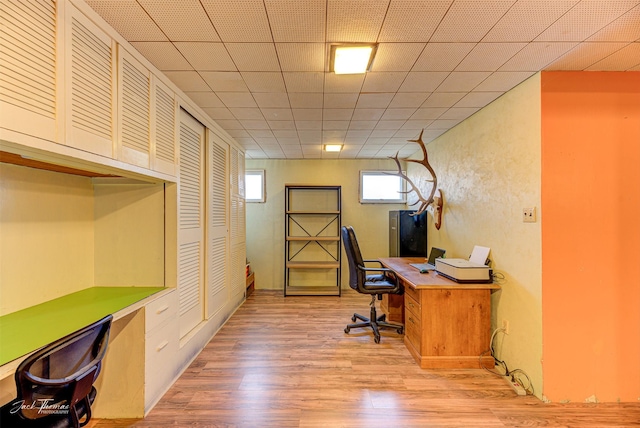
x: 312, y: 240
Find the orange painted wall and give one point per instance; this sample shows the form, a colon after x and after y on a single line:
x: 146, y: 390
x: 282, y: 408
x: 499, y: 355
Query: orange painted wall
x: 591, y: 236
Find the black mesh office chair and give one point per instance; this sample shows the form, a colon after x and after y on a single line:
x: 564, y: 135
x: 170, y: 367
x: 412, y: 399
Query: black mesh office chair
x: 363, y: 280
x: 55, y: 384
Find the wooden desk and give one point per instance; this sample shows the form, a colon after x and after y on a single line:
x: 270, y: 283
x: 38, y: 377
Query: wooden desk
x: 447, y: 325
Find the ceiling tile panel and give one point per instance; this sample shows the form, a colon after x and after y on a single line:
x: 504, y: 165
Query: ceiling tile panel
x: 362, y: 124
x: 239, y: 21
x: 374, y: 100
x: 412, y: 20
x: 470, y: 20
x: 259, y: 134
x: 206, y: 56
x: 217, y: 113
x: 310, y: 136
x: 443, y: 99
x: 229, y: 124
x: 502, y: 81
x: 384, y: 81
x: 460, y: 112
x: 308, y: 125
x: 396, y: 56
x: 536, y: 56
x: 442, y: 56
x: 585, y: 19
x: 281, y: 125
x: 303, y: 82
x: 462, y: 81
x: 625, y: 59
x: 306, y: 100
x: 335, y: 124
x: 205, y: 99
x: 188, y: 81
x: 408, y: 99
x: 250, y: 124
x: 271, y: 100
x: 340, y: 100
x: 254, y: 56
x: 301, y: 56
x: 129, y: 19
x: 163, y: 55
x: 277, y: 114
x: 624, y: 29
x: 236, y: 99
x: 336, y: 83
x: 337, y: 113
x: 246, y: 113
x: 527, y: 19
x: 585, y: 55
x: 307, y: 114
x: 224, y: 81
x: 185, y: 20
x: 489, y: 56
x: 285, y: 134
x: 264, y: 81
x: 423, y: 81
x: 355, y: 20
x: 398, y: 113
x: 297, y: 20
x: 368, y: 113
x: 428, y: 113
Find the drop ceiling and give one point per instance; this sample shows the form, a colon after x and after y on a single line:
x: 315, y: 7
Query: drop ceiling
x: 259, y: 68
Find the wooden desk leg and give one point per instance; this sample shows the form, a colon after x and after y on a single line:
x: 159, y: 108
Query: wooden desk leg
x: 392, y: 305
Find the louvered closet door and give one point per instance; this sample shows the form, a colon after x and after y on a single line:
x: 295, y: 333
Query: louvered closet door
x: 134, y: 111
x: 90, y: 85
x: 28, y: 66
x: 217, y: 221
x: 238, y: 249
x: 191, y: 244
x: 163, y: 129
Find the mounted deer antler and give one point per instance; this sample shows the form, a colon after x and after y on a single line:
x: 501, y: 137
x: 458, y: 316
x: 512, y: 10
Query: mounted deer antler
x: 435, y: 197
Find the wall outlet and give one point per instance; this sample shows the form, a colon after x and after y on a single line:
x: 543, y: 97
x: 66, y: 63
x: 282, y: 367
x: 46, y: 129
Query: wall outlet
x: 505, y: 326
x: 529, y: 215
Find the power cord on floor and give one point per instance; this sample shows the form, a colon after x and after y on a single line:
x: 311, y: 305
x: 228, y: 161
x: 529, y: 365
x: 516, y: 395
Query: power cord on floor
x: 515, y: 375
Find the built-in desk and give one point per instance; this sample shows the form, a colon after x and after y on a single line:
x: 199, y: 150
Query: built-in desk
x: 27, y: 330
x: 447, y: 325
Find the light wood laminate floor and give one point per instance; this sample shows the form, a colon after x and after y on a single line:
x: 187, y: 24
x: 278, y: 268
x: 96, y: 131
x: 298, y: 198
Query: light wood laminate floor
x: 286, y: 362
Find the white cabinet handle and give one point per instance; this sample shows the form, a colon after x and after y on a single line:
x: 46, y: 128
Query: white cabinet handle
x: 162, y: 346
x: 162, y: 309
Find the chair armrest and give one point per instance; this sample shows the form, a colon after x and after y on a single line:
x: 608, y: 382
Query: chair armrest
x: 373, y: 261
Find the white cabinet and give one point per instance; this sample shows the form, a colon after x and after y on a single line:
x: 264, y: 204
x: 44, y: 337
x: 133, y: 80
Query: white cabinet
x: 146, y: 117
x: 28, y: 68
x: 161, y: 347
x: 134, y: 110
x: 90, y: 85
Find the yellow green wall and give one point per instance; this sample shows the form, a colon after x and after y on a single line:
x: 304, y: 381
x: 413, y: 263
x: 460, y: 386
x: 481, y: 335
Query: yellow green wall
x: 265, y: 221
x: 488, y: 168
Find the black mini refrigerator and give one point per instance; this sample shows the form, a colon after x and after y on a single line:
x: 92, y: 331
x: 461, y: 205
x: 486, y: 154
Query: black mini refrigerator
x: 407, y: 234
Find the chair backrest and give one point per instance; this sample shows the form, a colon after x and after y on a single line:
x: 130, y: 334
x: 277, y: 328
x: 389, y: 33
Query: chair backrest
x: 62, y: 372
x: 356, y: 276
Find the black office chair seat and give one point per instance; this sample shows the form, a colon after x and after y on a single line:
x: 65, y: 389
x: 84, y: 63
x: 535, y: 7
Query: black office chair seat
x: 55, y: 384
x: 363, y: 280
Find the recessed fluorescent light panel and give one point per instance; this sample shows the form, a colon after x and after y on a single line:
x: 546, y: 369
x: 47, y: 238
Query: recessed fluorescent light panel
x: 332, y: 147
x: 351, y: 59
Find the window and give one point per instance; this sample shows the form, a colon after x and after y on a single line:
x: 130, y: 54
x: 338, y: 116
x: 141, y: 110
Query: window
x: 382, y: 187
x: 254, y: 185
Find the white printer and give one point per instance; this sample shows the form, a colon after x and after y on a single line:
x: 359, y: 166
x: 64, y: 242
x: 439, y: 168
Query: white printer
x: 461, y: 270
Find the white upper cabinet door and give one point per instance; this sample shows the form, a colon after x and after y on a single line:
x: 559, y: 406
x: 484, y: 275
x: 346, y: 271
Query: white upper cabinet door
x: 29, y: 68
x: 134, y: 111
x: 163, y: 128
x: 90, y: 85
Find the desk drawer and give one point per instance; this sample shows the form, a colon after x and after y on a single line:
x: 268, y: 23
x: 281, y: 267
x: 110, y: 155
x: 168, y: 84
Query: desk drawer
x: 413, y: 307
x: 412, y: 292
x: 412, y: 330
x: 160, y: 310
x: 161, y: 348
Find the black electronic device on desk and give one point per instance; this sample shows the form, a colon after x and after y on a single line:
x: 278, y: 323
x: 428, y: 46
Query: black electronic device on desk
x: 435, y: 253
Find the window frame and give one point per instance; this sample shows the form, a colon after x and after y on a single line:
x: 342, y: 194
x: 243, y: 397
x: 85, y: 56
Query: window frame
x: 262, y: 175
x: 402, y: 196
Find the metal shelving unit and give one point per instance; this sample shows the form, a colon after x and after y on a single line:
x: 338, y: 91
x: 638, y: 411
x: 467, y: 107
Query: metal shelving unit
x: 312, y: 240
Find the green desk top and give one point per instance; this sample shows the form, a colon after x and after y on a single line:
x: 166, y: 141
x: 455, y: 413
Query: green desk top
x: 25, y: 331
